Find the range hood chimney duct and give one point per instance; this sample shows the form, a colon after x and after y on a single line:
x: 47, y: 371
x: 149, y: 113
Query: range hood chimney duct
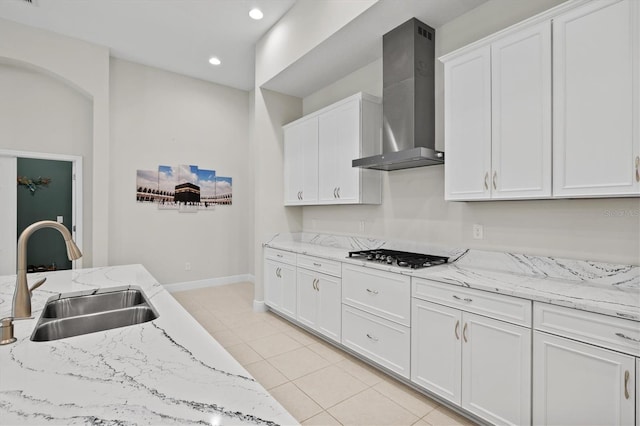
x: 408, y: 101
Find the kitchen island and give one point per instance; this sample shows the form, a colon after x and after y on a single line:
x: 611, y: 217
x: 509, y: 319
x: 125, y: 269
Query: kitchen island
x: 166, y: 371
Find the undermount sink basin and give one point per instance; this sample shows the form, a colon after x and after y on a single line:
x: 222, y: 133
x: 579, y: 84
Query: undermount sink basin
x: 74, y: 314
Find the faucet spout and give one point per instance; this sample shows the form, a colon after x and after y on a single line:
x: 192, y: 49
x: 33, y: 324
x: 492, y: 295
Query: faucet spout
x: 22, y: 295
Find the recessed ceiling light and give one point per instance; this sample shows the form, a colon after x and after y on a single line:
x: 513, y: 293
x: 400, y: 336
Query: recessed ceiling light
x: 256, y: 14
x: 214, y: 61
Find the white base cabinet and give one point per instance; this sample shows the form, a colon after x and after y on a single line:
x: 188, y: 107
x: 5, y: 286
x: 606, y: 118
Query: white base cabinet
x: 280, y: 281
x: 318, y: 305
x: 580, y: 384
x: 478, y: 363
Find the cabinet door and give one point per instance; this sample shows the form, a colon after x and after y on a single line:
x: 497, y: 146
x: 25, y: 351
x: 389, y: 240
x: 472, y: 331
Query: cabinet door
x: 329, y: 306
x: 467, y: 125
x: 521, y: 114
x: 301, y: 162
x: 272, y: 284
x: 579, y: 384
x: 307, y: 306
x: 436, y: 349
x: 596, y: 145
x: 339, y: 144
x: 496, y: 370
x: 280, y: 287
x: 289, y: 290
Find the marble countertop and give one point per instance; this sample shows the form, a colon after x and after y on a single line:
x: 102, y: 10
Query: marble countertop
x: 167, y: 371
x: 603, y: 288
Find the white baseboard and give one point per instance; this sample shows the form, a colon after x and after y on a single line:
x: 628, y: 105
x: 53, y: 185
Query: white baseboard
x: 259, y: 306
x: 209, y: 282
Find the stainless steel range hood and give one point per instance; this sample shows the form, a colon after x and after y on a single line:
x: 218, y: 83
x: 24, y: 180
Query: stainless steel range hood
x: 408, y: 102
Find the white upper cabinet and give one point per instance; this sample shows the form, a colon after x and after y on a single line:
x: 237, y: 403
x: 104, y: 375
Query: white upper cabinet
x: 339, y: 144
x: 320, y: 172
x: 596, y: 80
x: 301, y: 162
x: 521, y: 114
x: 467, y: 125
x: 498, y: 118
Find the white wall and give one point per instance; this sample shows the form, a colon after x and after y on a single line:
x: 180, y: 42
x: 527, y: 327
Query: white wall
x: 41, y: 113
x: 162, y: 118
x: 303, y: 27
x: 84, y: 68
x: 413, y: 200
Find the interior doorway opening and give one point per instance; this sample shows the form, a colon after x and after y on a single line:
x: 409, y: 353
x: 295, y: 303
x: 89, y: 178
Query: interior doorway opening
x: 60, y: 200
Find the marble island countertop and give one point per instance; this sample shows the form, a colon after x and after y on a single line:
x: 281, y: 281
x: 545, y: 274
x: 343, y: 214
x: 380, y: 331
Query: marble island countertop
x: 167, y: 371
x: 603, y: 288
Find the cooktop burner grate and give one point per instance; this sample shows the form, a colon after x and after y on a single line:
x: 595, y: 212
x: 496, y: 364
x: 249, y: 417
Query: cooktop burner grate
x: 399, y: 258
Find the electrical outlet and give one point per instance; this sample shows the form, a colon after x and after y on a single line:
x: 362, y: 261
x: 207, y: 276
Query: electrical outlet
x: 187, y: 266
x: 478, y: 231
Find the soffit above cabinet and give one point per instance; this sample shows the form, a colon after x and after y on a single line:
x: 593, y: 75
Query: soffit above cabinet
x: 360, y: 42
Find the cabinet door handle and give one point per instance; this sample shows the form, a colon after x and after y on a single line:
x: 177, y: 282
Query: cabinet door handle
x: 318, y: 284
x: 334, y: 192
x: 637, y: 168
x: 626, y: 384
x: 464, y: 332
x: 278, y: 272
x: 495, y: 176
x: 457, y: 329
x: 338, y: 192
x: 627, y: 337
x: 466, y: 299
x: 313, y: 284
x: 375, y: 339
x: 486, y: 181
x: 372, y: 291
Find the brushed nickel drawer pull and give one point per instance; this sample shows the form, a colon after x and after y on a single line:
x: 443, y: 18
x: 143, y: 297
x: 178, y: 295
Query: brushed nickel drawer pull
x: 279, y: 255
x: 626, y: 384
x: 375, y: 339
x: 317, y: 264
x: 464, y: 332
x: 495, y: 176
x: 466, y: 299
x: 372, y: 291
x: 627, y: 337
x: 315, y: 280
x: 457, y: 329
x: 486, y: 179
x: 338, y: 192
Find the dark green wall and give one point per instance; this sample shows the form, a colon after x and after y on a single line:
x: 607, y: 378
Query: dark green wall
x: 45, y: 246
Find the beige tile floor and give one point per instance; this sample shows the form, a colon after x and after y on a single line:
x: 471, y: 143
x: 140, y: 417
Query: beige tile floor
x: 317, y: 383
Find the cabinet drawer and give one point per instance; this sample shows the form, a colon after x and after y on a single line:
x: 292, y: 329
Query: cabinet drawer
x: 324, y: 266
x: 378, y: 292
x: 382, y: 341
x: 498, y: 306
x: 280, y: 255
x: 601, y: 330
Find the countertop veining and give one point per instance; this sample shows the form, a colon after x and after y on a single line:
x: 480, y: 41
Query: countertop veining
x: 603, y: 288
x: 167, y: 371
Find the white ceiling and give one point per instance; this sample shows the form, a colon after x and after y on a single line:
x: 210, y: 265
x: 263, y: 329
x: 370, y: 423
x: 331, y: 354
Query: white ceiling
x: 181, y: 35
x: 175, y: 35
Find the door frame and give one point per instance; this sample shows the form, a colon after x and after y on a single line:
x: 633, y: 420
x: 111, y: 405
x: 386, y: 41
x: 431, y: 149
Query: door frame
x: 77, y: 219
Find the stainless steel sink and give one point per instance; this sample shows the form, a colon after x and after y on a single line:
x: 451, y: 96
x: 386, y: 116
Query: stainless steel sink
x: 74, y: 314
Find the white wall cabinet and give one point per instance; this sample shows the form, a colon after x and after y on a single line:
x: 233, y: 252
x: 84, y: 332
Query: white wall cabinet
x: 341, y: 132
x: 498, y: 118
x: 580, y: 384
x: 596, y: 111
x: 479, y: 363
x: 280, y: 281
x: 301, y: 162
x: 318, y: 304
